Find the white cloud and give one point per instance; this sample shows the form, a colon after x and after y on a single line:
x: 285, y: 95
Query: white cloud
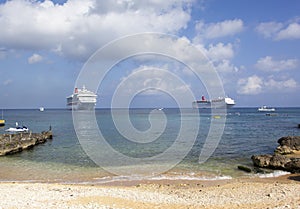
x: 220, y: 51
x: 291, y: 32
x: 250, y: 86
x: 155, y: 80
x: 35, y: 58
x: 269, y: 29
x: 279, y: 85
x: 219, y: 29
x: 7, y: 82
x: 279, y: 31
x: 225, y: 66
x: 269, y: 64
x: 255, y: 85
x: 77, y: 28
x: 221, y: 55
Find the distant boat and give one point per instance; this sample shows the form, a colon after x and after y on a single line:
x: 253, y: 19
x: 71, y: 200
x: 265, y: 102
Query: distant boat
x: 266, y: 109
x: 222, y: 102
x: 271, y: 114
x: 42, y: 109
x: 2, y: 121
x: 18, y: 128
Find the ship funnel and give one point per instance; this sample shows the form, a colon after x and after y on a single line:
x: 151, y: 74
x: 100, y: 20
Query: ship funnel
x: 203, y: 98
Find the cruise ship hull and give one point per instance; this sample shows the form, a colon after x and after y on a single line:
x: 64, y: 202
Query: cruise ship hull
x: 82, y: 106
x: 213, y: 104
x: 210, y: 105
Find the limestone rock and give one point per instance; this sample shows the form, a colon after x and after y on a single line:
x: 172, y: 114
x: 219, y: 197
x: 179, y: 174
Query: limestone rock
x: 262, y: 161
x: 294, y: 165
x: 285, y: 157
x: 288, y: 145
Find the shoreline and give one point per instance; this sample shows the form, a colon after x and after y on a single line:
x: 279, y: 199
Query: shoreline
x: 276, y: 192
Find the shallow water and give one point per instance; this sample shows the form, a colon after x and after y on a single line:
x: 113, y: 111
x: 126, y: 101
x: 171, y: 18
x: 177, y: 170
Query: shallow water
x: 63, y: 159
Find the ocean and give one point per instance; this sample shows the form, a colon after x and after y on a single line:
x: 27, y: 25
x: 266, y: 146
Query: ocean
x: 67, y: 158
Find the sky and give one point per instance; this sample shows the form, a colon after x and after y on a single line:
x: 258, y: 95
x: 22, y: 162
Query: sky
x: 253, y: 46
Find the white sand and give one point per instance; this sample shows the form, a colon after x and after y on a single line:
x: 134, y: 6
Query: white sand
x: 230, y: 194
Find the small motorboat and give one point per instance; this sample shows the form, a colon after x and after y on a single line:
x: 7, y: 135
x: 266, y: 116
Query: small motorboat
x: 18, y: 129
x: 2, y: 121
x: 266, y: 109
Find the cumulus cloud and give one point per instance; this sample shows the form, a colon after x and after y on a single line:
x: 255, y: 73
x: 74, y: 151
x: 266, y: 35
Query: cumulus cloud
x: 287, y: 84
x: 279, y: 31
x: 220, y: 51
x: 292, y: 31
x: 7, y: 82
x: 155, y: 80
x: 250, y: 86
x: 254, y: 85
x: 35, y: 58
x: 220, y: 54
x: 77, y: 28
x: 219, y: 29
x: 225, y: 66
x: 269, y: 29
x: 269, y: 64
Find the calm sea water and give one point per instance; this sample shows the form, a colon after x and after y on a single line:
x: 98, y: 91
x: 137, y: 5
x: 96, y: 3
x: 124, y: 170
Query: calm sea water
x: 247, y: 132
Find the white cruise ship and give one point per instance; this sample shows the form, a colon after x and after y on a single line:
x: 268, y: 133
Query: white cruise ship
x: 82, y: 99
x: 226, y: 102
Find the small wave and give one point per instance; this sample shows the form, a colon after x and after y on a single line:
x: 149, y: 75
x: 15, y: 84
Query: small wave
x: 276, y: 173
x: 191, y: 177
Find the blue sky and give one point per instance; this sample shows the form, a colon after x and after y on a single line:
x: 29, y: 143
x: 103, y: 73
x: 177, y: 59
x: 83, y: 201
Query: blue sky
x: 253, y: 45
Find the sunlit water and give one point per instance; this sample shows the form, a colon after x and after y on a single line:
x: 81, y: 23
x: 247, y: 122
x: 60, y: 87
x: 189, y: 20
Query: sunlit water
x: 247, y: 132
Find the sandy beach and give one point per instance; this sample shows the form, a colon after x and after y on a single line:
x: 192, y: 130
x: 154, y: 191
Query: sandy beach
x: 280, y: 192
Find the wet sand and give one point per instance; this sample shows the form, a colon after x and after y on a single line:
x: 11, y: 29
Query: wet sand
x: 280, y: 192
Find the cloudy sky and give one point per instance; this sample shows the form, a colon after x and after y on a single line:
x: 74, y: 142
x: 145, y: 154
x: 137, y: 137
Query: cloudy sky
x: 253, y: 45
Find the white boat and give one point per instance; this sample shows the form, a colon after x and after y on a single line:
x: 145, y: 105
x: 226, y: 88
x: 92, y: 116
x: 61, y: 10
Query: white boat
x: 42, y: 109
x: 18, y: 129
x: 82, y: 99
x: 266, y: 109
x: 222, y: 102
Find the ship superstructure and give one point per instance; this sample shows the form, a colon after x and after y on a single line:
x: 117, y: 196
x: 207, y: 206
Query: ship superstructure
x: 82, y: 99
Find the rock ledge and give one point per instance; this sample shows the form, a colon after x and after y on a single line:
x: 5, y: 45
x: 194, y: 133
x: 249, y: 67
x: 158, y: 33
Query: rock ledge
x: 286, y: 156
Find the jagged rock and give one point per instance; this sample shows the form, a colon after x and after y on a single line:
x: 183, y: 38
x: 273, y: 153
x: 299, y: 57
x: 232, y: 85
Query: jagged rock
x: 279, y: 162
x: 294, y: 165
x: 284, y: 150
x: 288, y: 145
x: 282, y: 159
x: 262, y: 161
x: 272, y: 161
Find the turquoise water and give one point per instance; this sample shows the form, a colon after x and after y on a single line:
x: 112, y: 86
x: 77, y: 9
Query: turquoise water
x: 63, y: 159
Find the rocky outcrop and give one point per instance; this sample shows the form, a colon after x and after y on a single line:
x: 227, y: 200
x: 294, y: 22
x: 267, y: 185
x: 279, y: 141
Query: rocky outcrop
x: 286, y: 156
x: 288, y: 145
x: 13, y: 143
